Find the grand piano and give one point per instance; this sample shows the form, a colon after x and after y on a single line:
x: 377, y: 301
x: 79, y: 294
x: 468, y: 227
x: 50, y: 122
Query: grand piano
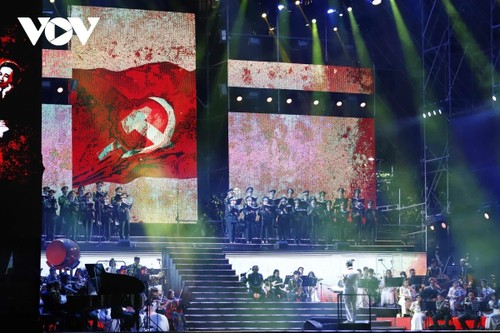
x: 107, y: 290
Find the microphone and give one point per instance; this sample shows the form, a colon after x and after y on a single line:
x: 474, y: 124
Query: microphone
x: 381, y: 259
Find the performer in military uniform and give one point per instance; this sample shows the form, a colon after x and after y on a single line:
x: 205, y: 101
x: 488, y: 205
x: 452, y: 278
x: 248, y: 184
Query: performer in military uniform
x: 340, y: 212
x: 252, y: 223
x: 267, y: 215
x: 98, y: 198
x: 284, y: 211
x: 231, y: 219
x: 357, y: 208
x: 313, y: 221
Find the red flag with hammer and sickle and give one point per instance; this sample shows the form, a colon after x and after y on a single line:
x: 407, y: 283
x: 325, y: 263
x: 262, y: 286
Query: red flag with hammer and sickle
x: 140, y: 122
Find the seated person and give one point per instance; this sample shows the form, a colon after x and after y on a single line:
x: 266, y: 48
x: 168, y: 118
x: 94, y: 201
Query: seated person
x: 275, y: 286
x: 418, y: 315
x: 295, y: 290
x: 442, y: 313
x: 471, y: 306
x: 255, y: 282
x: 493, y: 316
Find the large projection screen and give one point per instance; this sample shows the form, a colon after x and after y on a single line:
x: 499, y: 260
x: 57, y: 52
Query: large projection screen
x: 314, y: 153
x: 131, y: 120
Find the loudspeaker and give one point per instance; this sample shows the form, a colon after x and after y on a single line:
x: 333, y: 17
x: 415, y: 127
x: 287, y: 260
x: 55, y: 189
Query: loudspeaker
x: 281, y: 245
x: 321, y: 323
x: 124, y: 243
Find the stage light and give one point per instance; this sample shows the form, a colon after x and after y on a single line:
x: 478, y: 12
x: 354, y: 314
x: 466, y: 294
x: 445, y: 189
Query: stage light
x: 313, y: 20
x: 269, y: 99
x: 429, y: 114
x: 335, y: 28
x: 349, y: 9
x: 288, y: 101
x: 280, y: 7
x: 494, y: 98
x: 437, y: 221
x: 339, y: 103
x: 363, y: 104
x: 60, y: 90
x: 376, y: 2
x: 489, y: 210
x: 239, y: 98
x: 316, y: 102
x: 264, y: 15
x: 330, y: 11
x: 424, y: 115
x: 341, y: 14
x: 297, y: 3
x: 440, y: 112
x: 434, y: 111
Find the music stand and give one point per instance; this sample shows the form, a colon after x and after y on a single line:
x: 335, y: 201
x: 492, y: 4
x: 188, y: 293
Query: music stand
x: 393, y: 282
x: 309, y: 281
x: 148, y: 324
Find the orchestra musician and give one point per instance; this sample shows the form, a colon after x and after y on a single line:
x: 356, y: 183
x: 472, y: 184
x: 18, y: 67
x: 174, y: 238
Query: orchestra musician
x: 471, y: 306
x: 275, y: 286
x: 442, y: 312
x: 456, y: 296
x: 135, y: 268
x: 295, y: 290
x: 466, y: 271
x: 255, y: 282
x: 388, y: 292
x: 418, y: 314
x: 406, y: 297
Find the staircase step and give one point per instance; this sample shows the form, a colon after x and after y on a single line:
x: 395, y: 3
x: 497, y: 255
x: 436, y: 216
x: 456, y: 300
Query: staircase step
x: 214, y: 283
x: 213, y: 277
x: 200, y: 271
x: 248, y: 303
x: 200, y: 261
x: 202, y: 267
x: 201, y: 255
x: 217, y: 289
x: 248, y: 324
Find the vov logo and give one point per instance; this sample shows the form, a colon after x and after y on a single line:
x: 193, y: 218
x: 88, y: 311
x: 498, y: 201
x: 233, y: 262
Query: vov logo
x: 68, y: 26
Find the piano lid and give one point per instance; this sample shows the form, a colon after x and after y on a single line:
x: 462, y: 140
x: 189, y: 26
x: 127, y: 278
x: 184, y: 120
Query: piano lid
x: 109, y: 283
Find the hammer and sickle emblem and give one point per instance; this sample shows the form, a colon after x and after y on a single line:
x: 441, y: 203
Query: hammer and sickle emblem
x: 137, y: 121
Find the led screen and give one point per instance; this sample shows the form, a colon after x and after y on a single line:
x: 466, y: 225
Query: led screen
x: 307, y: 77
x: 315, y: 153
x: 131, y: 116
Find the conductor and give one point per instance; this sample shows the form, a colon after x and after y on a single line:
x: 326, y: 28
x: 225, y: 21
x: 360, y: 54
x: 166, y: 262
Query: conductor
x: 350, y: 279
